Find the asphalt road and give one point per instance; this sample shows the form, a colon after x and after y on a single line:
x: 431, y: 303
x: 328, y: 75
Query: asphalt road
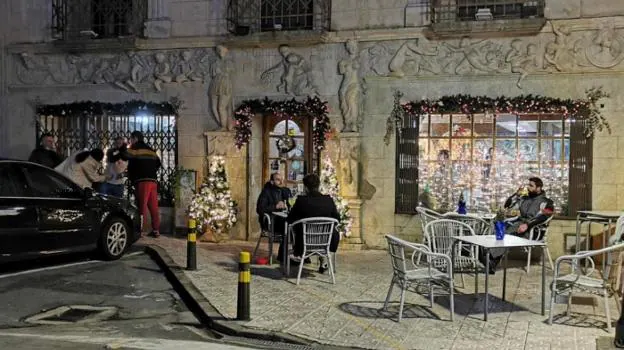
x: 142, y: 311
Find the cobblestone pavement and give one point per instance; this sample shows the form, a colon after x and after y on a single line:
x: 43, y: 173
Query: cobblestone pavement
x: 349, y: 312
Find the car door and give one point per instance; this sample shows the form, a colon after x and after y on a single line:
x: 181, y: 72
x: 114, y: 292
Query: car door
x: 65, y: 219
x: 18, y: 214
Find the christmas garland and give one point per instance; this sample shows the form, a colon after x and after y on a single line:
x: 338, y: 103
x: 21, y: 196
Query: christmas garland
x: 311, y: 107
x: 587, y: 109
x: 102, y: 108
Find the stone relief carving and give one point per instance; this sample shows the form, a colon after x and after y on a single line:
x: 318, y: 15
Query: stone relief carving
x: 606, y: 48
x: 523, y: 60
x: 220, y: 90
x: 296, y: 74
x: 350, y: 90
x: 416, y: 57
x: 133, y: 71
x: 349, y: 166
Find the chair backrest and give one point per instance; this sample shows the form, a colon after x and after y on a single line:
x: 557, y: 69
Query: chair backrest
x: 398, y: 256
x: 426, y: 216
x: 440, y: 233
x: 479, y: 226
x: 317, y: 232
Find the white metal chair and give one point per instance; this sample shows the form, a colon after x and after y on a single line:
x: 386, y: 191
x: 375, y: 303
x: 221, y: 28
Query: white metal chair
x: 439, y: 236
x: 426, y: 216
x: 479, y: 226
x: 421, y: 271
x: 539, y: 233
x: 270, y: 234
x: 317, y: 233
x: 579, y: 280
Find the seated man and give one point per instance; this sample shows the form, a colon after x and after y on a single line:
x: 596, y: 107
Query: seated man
x: 313, y: 204
x: 535, y: 208
x: 273, y: 197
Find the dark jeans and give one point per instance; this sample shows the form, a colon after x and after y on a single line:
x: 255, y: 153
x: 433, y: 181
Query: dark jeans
x: 112, y: 190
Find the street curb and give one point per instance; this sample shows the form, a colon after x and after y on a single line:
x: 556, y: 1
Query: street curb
x: 208, y: 314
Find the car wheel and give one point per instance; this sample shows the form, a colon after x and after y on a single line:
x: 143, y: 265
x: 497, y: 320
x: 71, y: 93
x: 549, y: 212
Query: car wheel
x: 114, y: 239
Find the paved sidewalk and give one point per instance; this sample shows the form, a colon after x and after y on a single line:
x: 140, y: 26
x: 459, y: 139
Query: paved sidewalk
x: 349, y: 312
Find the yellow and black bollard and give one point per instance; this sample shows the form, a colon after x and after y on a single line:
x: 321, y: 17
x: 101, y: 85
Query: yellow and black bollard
x: 244, y: 278
x: 191, y: 245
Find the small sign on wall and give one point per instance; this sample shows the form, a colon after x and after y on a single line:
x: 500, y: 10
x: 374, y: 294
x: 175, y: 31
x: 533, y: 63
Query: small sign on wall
x: 186, y: 186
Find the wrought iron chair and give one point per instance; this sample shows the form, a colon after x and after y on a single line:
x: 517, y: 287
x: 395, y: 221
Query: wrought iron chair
x: 421, y: 271
x: 317, y: 233
x: 270, y: 234
x: 439, y: 235
x: 581, y: 278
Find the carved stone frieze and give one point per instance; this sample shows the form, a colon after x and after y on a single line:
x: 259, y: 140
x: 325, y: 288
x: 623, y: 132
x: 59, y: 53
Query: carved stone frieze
x: 135, y: 71
x: 295, y: 74
x: 349, y: 93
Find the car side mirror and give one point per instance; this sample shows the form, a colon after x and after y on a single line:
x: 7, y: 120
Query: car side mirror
x: 88, y: 193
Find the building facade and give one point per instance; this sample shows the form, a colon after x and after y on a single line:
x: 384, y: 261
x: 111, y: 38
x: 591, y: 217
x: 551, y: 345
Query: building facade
x: 212, y: 55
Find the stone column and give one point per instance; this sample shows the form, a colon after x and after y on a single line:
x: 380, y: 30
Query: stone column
x: 221, y: 143
x: 158, y: 24
x: 348, y: 169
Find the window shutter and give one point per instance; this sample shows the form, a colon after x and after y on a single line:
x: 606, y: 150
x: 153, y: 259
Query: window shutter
x: 581, y: 153
x: 406, y: 188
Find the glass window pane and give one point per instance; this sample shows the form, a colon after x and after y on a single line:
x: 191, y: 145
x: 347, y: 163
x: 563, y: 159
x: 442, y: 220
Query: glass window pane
x: 273, y: 152
x: 506, y: 150
x: 462, y: 126
x: 551, y: 125
x: 440, y: 125
x: 423, y: 149
x: 528, y: 125
x: 461, y: 149
x: 424, y: 125
x: 506, y: 125
x: 483, y: 125
x: 567, y: 125
x: 527, y: 150
x: 439, y: 149
x: 298, y: 151
x: 294, y: 129
x: 566, y: 149
x: 551, y: 150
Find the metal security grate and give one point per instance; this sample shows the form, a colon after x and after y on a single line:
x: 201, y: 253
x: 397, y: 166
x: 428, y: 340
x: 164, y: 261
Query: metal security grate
x: 97, y: 19
x: 249, y: 16
x: 466, y: 10
x: 406, y: 192
x: 73, y: 133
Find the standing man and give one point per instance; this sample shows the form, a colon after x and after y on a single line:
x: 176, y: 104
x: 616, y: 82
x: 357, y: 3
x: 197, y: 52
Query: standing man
x: 273, y: 197
x: 116, y: 164
x: 143, y: 165
x: 45, y: 154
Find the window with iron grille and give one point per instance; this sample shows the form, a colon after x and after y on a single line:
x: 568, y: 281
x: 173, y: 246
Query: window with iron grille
x: 486, y: 158
x: 73, y: 133
x: 482, y: 10
x: 98, y: 19
x: 247, y: 16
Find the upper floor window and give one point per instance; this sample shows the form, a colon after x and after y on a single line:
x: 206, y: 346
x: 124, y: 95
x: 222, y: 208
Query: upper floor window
x: 247, y: 16
x: 98, y: 19
x: 485, y: 10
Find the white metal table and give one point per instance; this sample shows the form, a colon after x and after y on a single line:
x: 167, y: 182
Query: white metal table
x: 488, y: 242
x: 606, y: 218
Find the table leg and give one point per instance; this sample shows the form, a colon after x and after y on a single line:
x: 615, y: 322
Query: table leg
x: 504, y: 274
x: 487, y: 274
x: 604, y: 245
x: 578, y: 232
x: 476, y: 272
x: 286, y: 255
x: 544, y: 280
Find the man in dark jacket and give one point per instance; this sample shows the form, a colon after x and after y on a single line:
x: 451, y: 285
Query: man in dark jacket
x: 313, y: 204
x: 45, y: 154
x: 273, y: 197
x: 143, y: 166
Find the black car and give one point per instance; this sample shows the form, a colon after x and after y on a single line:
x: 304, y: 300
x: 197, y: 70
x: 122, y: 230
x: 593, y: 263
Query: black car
x: 43, y: 212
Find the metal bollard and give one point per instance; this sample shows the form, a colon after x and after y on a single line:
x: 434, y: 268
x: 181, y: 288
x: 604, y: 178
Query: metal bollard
x: 191, y: 245
x: 244, y: 278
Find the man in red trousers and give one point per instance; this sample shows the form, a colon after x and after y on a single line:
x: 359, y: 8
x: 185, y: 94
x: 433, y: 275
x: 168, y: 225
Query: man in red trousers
x: 143, y: 165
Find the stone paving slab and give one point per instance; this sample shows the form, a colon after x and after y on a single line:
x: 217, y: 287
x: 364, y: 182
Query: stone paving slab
x: 349, y: 312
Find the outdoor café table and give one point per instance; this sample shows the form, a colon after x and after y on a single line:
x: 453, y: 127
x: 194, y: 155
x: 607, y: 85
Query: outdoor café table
x: 488, y: 242
x: 606, y: 218
x: 286, y: 240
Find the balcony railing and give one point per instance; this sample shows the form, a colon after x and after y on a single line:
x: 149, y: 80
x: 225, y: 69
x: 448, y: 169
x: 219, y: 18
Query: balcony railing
x: 98, y: 19
x: 484, y: 10
x: 252, y: 16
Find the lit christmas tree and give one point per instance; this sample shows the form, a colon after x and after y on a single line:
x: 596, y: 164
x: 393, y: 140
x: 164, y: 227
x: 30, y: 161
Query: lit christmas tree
x: 330, y: 186
x: 212, y: 206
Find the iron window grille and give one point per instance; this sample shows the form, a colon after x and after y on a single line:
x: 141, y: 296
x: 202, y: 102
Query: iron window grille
x: 73, y: 133
x: 97, y: 19
x: 251, y: 16
x: 466, y: 10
